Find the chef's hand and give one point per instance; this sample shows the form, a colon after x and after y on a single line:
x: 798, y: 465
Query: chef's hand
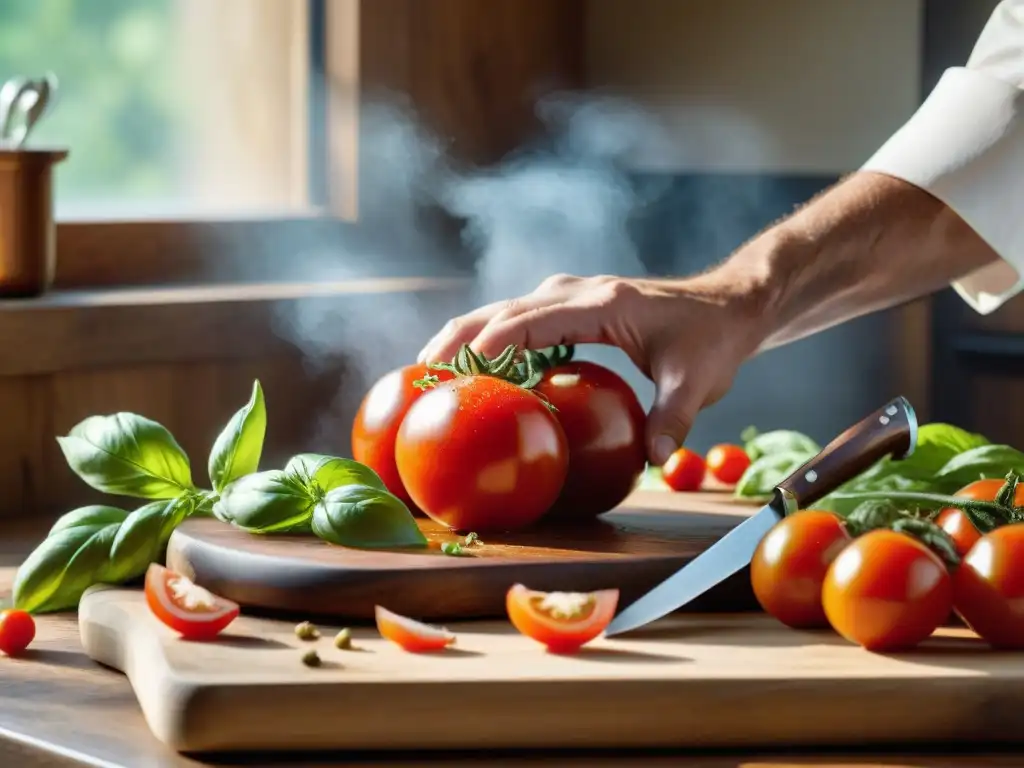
x: 869, y: 243
x: 688, y: 336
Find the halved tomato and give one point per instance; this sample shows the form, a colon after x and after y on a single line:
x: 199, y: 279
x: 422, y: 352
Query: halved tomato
x: 409, y: 634
x: 188, y: 609
x: 563, y: 621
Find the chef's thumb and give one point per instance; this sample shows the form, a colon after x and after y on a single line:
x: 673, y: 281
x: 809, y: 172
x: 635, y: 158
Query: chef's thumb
x: 675, y: 407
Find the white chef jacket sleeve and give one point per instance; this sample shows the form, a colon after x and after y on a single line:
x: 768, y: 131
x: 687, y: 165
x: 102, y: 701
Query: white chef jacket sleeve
x: 965, y: 146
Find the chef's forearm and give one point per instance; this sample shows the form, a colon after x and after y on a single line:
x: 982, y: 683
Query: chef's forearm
x: 869, y: 243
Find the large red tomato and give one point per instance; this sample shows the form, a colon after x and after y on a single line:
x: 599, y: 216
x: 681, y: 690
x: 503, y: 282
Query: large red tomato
x: 482, y: 454
x: 604, y: 424
x: 377, y: 421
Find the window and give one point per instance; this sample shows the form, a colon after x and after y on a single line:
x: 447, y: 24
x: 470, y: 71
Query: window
x: 174, y: 108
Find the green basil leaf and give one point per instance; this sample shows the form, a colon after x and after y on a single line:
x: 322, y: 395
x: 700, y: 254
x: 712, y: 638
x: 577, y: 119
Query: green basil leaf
x: 95, y: 545
x: 367, y: 518
x: 987, y: 461
x: 777, y: 441
x: 95, y: 515
x: 267, y: 502
x: 329, y: 472
x: 127, y: 455
x: 142, y: 538
x: 236, y: 451
x: 765, y: 473
x: 846, y: 499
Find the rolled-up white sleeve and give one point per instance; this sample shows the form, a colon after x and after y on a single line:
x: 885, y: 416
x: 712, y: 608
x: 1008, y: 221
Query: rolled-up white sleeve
x: 965, y: 146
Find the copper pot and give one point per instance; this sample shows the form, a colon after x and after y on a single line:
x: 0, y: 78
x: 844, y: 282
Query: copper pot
x: 28, y: 247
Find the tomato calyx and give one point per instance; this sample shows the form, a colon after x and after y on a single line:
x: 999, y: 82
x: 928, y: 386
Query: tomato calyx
x: 883, y: 514
x: 525, y: 368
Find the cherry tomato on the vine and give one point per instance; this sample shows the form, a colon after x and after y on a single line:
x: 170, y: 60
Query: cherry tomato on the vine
x: 958, y: 525
x: 684, y: 470
x: 727, y: 463
x: 789, y: 566
x: 17, y: 631
x: 887, y: 591
x: 604, y: 426
x: 988, y: 587
x: 482, y: 454
x: 380, y: 415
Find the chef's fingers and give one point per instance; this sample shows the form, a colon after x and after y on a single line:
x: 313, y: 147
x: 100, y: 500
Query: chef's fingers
x: 539, y: 326
x: 464, y: 329
x: 677, y: 401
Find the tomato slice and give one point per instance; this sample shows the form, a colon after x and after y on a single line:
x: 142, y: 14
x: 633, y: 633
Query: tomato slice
x: 562, y: 621
x: 185, y: 607
x: 409, y: 634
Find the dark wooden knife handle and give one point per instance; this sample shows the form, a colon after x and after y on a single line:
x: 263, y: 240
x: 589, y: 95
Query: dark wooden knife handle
x: 889, y: 431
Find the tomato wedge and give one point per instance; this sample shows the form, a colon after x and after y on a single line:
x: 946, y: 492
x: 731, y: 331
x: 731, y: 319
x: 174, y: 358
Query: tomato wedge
x: 562, y: 621
x: 409, y: 634
x: 188, y: 609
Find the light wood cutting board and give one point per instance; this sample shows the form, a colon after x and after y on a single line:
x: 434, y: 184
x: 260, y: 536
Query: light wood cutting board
x: 697, y: 680
x: 632, y: 548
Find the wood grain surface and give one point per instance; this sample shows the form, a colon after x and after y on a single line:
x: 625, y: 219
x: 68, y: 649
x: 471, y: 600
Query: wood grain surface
x: 632, y: 549
x: 58, y: 708
x: 689, y: 681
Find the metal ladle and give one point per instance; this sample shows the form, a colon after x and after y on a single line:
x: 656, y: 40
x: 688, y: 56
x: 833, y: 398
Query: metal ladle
x: 22, y: 103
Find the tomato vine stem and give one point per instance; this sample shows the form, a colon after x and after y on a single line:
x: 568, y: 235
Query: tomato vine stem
x: 524, y: 368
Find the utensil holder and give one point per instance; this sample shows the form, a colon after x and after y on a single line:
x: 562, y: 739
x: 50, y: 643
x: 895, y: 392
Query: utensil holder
x: 28, y: 237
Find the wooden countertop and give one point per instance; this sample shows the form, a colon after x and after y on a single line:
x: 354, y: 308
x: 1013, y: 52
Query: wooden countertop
x: 59, y: 708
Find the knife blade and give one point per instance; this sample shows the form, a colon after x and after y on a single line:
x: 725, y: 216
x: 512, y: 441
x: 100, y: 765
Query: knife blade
x: 889, y: 431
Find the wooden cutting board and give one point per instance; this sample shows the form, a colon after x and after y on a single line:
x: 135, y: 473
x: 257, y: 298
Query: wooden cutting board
x: 697, y: 680
x: 633, y: 548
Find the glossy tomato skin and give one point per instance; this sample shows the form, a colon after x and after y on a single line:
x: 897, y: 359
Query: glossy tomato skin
x: 727, y: 463
x: 562, y: 622
x: 960, y: 529
x: 955, y: 521
x: 789, y: 566
x: 604, y: 426
x: 481, y: 454
x: 204, y: 621
x: 17, y: 631
x: 684, y: 470
x: 988, y: 587
x: 886, y: 591
x: 379, y: 417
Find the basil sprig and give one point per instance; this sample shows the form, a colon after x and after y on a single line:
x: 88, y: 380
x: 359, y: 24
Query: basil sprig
x: 124, y: 454
x: 339, y: 500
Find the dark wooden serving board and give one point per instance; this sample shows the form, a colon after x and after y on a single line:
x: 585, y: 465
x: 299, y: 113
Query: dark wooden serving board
x: 632, y: 548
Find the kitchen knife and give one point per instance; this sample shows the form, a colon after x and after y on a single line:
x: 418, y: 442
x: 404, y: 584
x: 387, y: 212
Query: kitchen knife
x: 890, y: 431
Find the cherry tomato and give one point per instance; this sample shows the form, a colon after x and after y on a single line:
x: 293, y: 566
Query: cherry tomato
x: 378, y: 419
x: 684, y: 470
x: 988, y: 587
x: 562, y: 621
x: 17, y: 631
x: 789, y: 566
x: 727, y: 463
x: 886, y: 591
x: 482, y: 454
x: 955, y: 521
x: 188, y: 609
x: 411, y: 635
x: 604, y: 425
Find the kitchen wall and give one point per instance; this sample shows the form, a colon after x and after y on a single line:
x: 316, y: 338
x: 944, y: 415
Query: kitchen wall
x: 763, y: 104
